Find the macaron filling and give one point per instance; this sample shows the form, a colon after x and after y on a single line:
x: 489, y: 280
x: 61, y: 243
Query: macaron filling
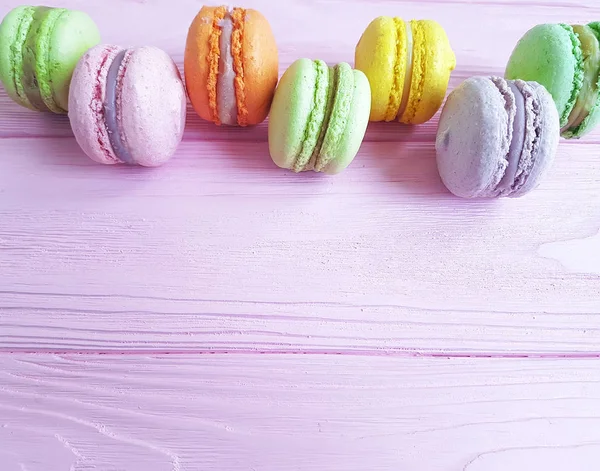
x: 533, y: 135
x: 578, y: 72
x: 214, y: 55
x: 402, y: 70
x: 517, y: 140
x: 398, y: 72
x: 37, y: 82
x: 29, y: 80
x: 588, y: 94
x: 226, y: 99
x: 43, y: 65
x: 408, y: 71
x: 312, y: 141
x: 112, y: 107
x: 333, y: 93
x: 524, y: 130
x: 226, y: 88
x: 237, y: 38
x: 338, y: 113
x: 98, y: 99
x: 332, y: 88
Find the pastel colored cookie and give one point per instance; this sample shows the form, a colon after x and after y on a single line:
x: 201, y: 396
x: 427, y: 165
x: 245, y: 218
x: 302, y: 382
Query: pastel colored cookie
x: 231, y: 65
x: 319, y: 117
x: 496, y: 137
x: 39, y: 48
x: 127, y: 105
x: 566, y: 60
x: 408, y: 65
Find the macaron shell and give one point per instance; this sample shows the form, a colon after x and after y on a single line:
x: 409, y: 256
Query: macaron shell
x: 433, y: 62
x: 11, y: 31
x: 37, y: 52
x: 549, y: 134
x: 376, y: 56
x: 290, y: 112
x: 74, y: 33
x: 356, y: 125
x: 86, y: 101
x: 472, y: 138
x: 550, y: 54
x: 196, y: 63
x: 153, y: 106
x: 261, y: 66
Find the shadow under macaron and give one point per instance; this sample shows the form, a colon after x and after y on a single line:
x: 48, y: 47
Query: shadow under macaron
x: 408, y: 168
x: 19, y: 122
x: 407, y: 162
x: 246, y: 149
x: 252, y: 156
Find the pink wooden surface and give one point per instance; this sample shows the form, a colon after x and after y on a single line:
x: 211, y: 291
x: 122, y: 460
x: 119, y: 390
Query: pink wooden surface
x: 366, y: 321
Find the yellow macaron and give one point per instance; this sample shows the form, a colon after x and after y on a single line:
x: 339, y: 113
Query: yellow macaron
x: 408, y: 65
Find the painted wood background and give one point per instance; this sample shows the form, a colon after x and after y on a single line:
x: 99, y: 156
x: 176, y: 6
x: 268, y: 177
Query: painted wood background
x: 219, y: 313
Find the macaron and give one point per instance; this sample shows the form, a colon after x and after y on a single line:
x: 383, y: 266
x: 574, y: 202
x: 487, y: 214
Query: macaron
x: 39, y: 48
x: 408, y: 65
x: 127, y: 105
x: 319, y: 116
x: 231, y: 65
x: 566, y: 60
x: 496, y: 137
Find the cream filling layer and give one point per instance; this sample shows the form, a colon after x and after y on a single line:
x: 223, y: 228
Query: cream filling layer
x: 517, y: 143
x: 591, y: 69
x: 112, y: 107
x: 408, y: 71
x: 226, y: 101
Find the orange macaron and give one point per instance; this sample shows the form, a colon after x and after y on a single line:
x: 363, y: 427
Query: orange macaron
x: 231, y: 65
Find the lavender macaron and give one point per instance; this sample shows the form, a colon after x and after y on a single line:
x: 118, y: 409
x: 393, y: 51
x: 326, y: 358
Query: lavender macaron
x: 496, y: 137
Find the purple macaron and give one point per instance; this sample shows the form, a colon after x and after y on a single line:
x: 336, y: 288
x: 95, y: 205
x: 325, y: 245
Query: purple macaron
x: 496, y: 137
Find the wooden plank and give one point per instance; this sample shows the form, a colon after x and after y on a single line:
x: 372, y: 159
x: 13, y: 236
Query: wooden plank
x: 269, y: 321
x: 243, y: 412
x: 221, y: 250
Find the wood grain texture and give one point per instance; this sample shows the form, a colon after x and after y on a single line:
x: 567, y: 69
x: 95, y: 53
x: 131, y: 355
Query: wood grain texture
x: 223, y: 251
x: 308, y: 412
x: 233, y: 316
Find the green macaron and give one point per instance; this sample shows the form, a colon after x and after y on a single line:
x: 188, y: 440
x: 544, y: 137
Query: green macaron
x: 565, y: 59
x: 319, y: 116
x: 39, y: 49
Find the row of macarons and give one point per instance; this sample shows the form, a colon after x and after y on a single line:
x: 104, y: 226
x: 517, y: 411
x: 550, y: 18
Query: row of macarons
x: 496, y: 136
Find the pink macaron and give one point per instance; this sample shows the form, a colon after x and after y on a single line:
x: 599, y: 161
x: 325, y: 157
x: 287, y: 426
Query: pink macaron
x: 127, y: 105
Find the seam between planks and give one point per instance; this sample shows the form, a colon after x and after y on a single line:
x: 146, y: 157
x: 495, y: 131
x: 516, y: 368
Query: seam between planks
x: 390, y: 353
